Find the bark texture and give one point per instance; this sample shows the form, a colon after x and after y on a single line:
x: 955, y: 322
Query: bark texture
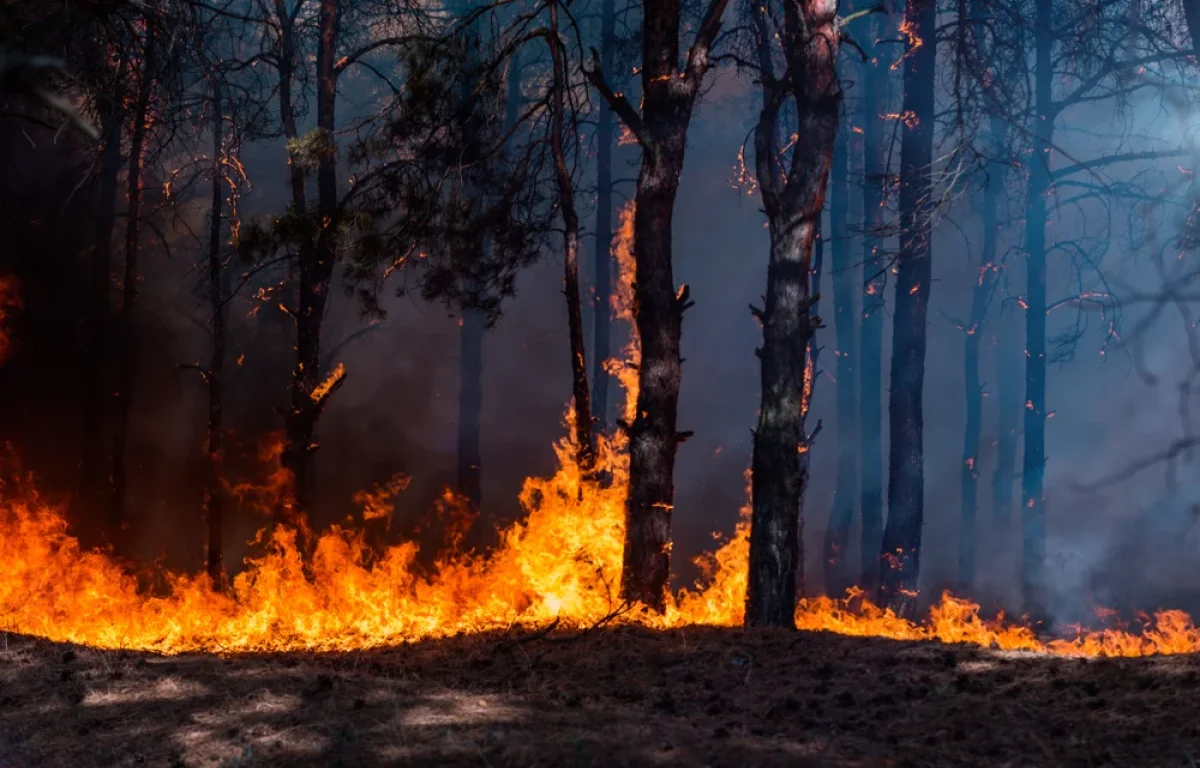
x: 602, y: 266
x: 668, y: 96
x: 793, y: 208
x: 901, y: 550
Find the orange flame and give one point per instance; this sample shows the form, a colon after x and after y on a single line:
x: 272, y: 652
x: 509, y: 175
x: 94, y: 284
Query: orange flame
x: 562, y: 562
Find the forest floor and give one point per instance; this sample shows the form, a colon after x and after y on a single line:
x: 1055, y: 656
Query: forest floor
x: 624, y: 696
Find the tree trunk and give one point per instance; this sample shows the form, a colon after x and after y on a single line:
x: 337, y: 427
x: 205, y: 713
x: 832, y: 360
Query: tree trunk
x: 127, y: 361
x: 316, y: 271
x: 980, y: 299
x: 1008, y: 413
x: 214, y: 500
x: 95, y: 489
x: 1191, y: 15
x: 781, y: 444
x: 470, y: 405
x: 668, y: 96
x: 973, y: 392
x: 875, y: 167
x: 838, y: 577
x: 901, y: 549
x: 602, y: 276
x: 1033, y: 512
x: 585, y: 450
x: 658, y: 315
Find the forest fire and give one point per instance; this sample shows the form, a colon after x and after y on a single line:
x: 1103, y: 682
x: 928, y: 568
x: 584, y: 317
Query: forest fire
x: 561, y: 564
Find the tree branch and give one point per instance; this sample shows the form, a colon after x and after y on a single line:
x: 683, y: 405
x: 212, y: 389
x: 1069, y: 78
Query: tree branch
x: 620, y: 105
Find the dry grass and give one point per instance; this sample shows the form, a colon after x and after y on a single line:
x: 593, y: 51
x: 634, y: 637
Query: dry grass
x: 614, y: 697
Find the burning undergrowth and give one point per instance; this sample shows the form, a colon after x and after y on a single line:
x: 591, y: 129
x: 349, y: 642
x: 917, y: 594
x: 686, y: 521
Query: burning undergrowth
x: 560, y: 567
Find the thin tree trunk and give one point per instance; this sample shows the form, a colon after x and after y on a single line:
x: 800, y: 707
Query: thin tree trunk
x: 214, y: 501
x: 901, y: 549
x: 286, y: 510
x: 315, y: 275
x: 1033, y: 511
x: 1009, y: 362
x: 602, y: 275
x: 127, y: 361
x: 470, y: 406
x: 973, y: 392
x: 95, y: 481
x: 668, y: 96
x: 980, y: 298
x: 874, y: 97
x: 781, y: 443
x: 585, y: 453
x: 845, y: 498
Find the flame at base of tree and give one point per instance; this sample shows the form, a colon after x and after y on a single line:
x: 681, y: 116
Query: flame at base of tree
x: 562, y: 564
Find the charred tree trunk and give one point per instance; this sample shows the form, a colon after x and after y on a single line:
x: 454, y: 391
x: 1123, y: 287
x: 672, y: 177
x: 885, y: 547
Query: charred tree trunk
x: 585, y: 450
x: 658, y: 313
x: 316, y: 271
x: 875, y: 94
x: 793, y: 210
x: 127, y: 346
x: 901, y: 549
x: 1033, y: 511
x: 95, y: 479
x: 602, y: 275
x: 838, y: 577
x: 668, y: 96
x: 214, y: 500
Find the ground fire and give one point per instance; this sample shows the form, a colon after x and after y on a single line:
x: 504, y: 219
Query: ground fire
x: 389, y: 383
x: 560, y: 566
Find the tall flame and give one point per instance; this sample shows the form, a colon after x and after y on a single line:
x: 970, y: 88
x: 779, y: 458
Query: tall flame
x: 561, y: 563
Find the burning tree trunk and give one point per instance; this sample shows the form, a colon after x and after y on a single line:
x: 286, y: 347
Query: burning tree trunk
x: 602, y: 276
x: 845, y: 498
x: 1033, y: 512
x: 309, y: 391
x: 873, y: 276
x: 668, y: 96
x: 127, y: 362
x: 793, y: 207
x: 901, y: 549
x: 214, y: 501
x: 585, y: 453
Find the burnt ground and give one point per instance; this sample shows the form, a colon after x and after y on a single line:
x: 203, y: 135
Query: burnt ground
x: 611, y: 697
